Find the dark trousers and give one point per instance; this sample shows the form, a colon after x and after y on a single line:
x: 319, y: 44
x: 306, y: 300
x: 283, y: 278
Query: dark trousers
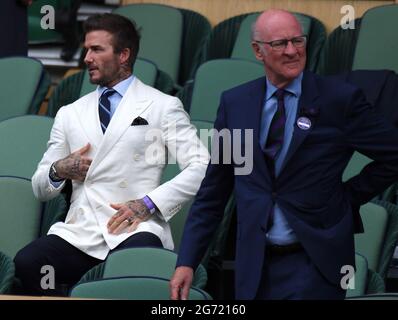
x: 293, y: 276
x: 68, y: 263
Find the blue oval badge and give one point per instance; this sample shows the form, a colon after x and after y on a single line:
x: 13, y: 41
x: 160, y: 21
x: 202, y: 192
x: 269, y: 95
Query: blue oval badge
x: 304, y: 123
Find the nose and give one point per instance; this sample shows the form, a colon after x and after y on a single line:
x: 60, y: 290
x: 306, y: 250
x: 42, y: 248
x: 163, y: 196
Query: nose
x: 87, y: 57
x: 290, y: 50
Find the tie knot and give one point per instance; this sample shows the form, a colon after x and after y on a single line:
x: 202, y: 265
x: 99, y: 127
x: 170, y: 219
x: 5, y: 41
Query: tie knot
x: 280, y: 94
x: 108, y: 92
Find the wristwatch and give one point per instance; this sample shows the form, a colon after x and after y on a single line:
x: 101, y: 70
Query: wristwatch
x: 53, y: 174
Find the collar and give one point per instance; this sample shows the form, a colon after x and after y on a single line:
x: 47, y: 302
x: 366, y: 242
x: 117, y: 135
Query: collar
x: 121, y: 87
x: 293, y: 87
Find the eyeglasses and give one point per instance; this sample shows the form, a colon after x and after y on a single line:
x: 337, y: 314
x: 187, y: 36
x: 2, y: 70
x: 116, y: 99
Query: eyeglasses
x: 281, y: 44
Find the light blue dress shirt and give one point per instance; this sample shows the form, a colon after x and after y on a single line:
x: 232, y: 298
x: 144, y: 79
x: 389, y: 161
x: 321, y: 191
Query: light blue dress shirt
x: 280, y: 233
x: 120, y: 89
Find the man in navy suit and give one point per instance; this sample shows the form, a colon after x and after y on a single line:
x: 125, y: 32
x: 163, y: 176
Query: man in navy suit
x: 295, y: 217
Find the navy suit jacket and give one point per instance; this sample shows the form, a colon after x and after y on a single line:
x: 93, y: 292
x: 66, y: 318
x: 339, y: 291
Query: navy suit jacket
x: 322, y: 210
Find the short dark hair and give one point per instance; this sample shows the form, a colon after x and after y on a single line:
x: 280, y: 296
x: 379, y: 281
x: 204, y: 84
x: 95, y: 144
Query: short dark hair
x: 123, y: 30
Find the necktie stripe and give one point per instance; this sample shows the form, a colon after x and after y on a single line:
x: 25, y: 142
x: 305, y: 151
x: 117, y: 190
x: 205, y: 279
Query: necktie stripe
x: 104, y: 108
x: 276, y: 130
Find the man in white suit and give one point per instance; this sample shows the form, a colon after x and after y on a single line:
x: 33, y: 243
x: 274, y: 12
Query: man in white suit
x: 112, y: 144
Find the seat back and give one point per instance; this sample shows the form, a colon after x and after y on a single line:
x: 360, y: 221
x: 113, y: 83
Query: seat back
x: 143, y: 261
x: 145, y: 70
x: 18, y: 91
x: 357, y: 285
x: 216, y: 76
x: 25, y: 139
x: 357, y: 162
x: 36, y: 34
x: 131, y: 288
x: 7, y: 272
x: 242, y: 48
x: 20, y: 214
x: 161, y: 29
x: 370, y: 243
x: 377, y: 42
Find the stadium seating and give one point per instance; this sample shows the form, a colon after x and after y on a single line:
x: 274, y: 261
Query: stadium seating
x: 131, y: 288
x: 143, y: 261
x: 7, y: 272
x: 370, y: 45
x: 24, y: 84
x: 214, y: 77
x: 20, y: 214
x: 161, y: 29
x: 25, y: 139
x: 378, y: 242
x: 364, y: 281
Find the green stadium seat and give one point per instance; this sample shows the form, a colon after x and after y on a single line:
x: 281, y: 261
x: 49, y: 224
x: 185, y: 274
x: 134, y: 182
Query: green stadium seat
x: 141, y: 261
x: 378, y: 242
x: 24, y: 84
x: 365, y: 281
x: 357, y: 162
x: 25, y: 139
x: 131, y: 288
x: 377, y: 39
x: 216, y: 76
x: 36, y: 34
x: 20, y: 214
x: 161, y: 29
x: 357, y: 285
x: 7, y: 273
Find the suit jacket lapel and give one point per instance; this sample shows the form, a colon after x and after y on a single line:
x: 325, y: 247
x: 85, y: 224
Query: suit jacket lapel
x: 307, y: 101
x: 89, y: 120
x: 134, y: 102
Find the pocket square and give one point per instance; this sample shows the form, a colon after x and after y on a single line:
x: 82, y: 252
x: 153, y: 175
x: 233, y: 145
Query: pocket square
x: 139, y: 122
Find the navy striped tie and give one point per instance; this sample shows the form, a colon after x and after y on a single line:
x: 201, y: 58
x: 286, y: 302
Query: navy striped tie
x: 276, y: 130
x: 275, y: 141
x: 104, y: 108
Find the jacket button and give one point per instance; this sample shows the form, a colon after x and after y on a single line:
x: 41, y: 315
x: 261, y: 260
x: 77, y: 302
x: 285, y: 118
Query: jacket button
x: 137, y: 157
x: 123, y: 184
x: 274, y: 195
x: 81, y: 211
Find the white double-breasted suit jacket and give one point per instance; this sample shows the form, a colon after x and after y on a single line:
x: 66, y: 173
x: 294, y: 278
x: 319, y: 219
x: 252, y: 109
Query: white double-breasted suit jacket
x: 127, y: 163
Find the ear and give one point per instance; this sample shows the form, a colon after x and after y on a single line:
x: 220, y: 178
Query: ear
x: 257, y: 51
x: 124, y: 55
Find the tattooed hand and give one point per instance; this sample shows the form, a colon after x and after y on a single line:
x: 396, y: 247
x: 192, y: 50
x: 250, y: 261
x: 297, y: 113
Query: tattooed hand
x: 74, y: 166
x: 128, y: 215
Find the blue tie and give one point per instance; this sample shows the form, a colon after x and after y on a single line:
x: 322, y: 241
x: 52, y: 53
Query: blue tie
x: 104, y: 108
x: 277, y: 128
x: 274, y: 141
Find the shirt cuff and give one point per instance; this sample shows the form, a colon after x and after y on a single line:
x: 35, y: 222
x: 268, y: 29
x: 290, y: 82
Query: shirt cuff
x: 55, y: 184
x: 150, y: 205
